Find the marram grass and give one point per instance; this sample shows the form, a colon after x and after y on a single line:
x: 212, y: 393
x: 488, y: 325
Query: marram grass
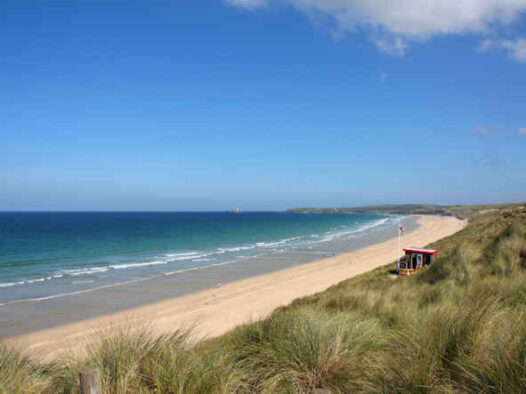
x: 457, y: 327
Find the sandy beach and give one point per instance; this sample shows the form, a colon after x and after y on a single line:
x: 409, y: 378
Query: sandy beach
x: 215, y: 311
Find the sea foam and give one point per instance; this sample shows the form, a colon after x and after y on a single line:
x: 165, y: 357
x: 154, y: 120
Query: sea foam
x: 216, y: 257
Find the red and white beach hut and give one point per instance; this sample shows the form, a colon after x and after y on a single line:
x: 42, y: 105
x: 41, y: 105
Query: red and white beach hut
x: 415, y: 259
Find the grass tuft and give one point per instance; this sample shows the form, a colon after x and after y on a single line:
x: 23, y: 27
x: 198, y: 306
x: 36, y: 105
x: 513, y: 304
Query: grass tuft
x: 20, y: 373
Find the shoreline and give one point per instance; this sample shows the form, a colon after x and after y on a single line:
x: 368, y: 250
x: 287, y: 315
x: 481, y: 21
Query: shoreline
x: 215, y: 311
x: 66, y: 308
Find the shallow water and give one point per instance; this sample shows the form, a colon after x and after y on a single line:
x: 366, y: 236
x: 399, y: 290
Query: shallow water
x: 61, y: 267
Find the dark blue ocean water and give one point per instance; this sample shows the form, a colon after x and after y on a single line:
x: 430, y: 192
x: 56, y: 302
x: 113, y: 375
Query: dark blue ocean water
x: 46, y: 254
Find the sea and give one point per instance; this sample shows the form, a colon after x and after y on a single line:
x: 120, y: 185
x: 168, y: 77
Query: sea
x: 53, y: 256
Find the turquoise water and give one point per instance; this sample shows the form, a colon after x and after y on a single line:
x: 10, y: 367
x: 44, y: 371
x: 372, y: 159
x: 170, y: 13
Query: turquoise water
x: 44, y: 255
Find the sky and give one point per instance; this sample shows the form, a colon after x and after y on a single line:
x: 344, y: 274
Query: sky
x: 260, y: 104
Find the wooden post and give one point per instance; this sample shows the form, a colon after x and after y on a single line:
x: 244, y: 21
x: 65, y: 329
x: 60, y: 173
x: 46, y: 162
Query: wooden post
x: 90, y: 381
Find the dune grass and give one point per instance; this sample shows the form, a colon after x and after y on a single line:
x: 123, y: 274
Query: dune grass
x: 21, y: 374
x: 458, y: 326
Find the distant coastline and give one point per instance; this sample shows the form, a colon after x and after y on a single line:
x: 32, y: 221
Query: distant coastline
x: 459, y: 211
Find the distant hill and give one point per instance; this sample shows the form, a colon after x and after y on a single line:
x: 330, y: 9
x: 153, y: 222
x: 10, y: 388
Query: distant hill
x: 461, y: 211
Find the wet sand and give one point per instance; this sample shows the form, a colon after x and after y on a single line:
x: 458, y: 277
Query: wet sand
x: 216, y: 310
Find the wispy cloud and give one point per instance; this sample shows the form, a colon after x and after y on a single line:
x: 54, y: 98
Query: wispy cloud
x: 248, y: 3
x: 480, y: 130
x: 392, y: 46
x: 383, y: 76
x: 516, y: 49
x: 497, y: 131
x: 395, y: 24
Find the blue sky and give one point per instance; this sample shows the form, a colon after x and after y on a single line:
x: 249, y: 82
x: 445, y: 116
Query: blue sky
x: 186, y: 105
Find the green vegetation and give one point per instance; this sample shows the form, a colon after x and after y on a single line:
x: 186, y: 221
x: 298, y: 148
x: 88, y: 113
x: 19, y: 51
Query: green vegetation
x: 460, y: 211
x: 458, y: 326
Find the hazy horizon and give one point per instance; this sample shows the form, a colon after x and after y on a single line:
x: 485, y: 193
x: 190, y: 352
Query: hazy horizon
x: 243, y: 210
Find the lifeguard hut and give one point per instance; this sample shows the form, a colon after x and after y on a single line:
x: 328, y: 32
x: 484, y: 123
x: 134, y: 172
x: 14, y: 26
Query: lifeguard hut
x: 415, y: 259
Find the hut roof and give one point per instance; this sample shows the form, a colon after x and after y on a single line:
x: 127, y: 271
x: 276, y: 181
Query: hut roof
x: 421, y: 250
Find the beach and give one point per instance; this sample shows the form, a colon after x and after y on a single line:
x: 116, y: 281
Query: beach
x: 216, y: 310
x: 62, y: 268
